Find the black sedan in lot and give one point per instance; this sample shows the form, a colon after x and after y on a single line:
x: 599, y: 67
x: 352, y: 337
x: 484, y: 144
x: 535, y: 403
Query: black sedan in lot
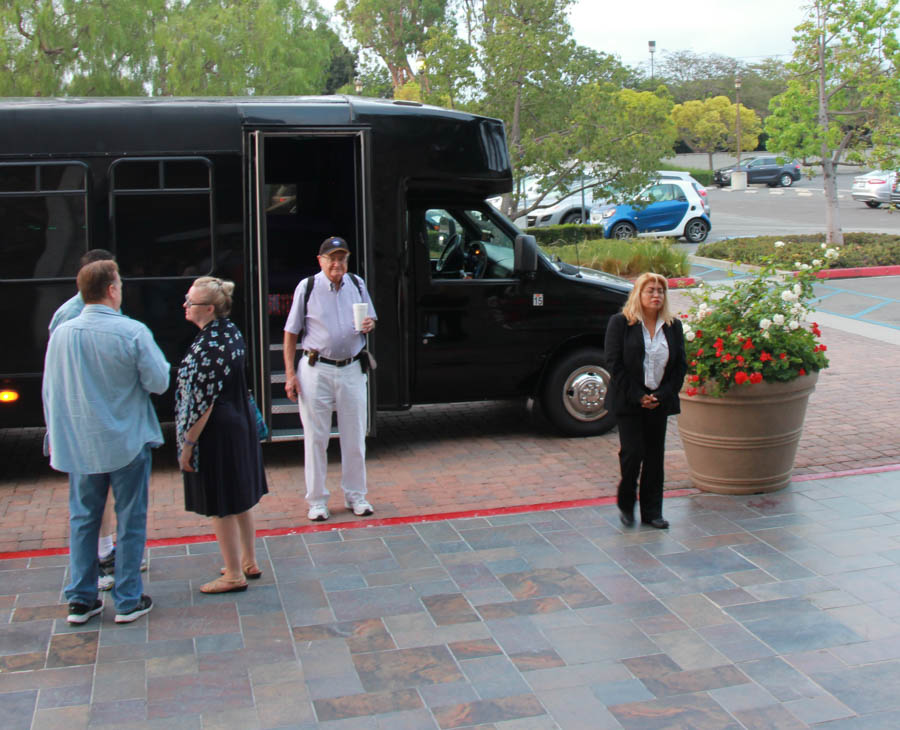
x: 767, y: 169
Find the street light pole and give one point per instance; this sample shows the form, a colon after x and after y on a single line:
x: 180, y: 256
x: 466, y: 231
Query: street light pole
x: 737, y: 121
x: 652, y: 45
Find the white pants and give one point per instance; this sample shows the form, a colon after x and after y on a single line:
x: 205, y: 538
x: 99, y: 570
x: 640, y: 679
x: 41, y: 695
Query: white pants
x: 323, y: 389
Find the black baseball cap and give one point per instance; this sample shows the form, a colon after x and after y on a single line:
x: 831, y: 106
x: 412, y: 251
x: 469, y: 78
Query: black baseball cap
x: 332, y: 244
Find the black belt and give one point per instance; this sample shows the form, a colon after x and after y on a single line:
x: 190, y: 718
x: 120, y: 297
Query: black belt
x: 336, y: 363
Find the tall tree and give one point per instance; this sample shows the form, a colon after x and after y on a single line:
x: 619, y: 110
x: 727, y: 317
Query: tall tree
x: 711, y: 124
x: 196, y: 47
x: 394, y: 29
x: 842, y: 101
x: 566, y: 115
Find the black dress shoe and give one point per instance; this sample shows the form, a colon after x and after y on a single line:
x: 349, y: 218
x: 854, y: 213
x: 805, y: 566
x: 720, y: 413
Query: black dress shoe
x: 626, y: 519
x: 659, y: 523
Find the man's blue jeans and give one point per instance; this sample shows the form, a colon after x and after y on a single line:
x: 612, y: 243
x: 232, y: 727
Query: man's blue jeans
x: 87, y: 498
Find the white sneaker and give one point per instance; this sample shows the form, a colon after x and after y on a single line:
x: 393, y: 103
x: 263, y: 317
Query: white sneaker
x: 360, y: 506
x: 318, y: 513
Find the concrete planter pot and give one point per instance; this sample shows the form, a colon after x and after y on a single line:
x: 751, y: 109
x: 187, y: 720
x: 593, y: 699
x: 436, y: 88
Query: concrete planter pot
x: 745, y: 442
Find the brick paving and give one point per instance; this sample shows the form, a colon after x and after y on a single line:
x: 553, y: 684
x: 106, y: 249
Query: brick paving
x: 441, y: 459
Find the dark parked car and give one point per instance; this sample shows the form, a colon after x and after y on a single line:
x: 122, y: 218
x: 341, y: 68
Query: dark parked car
x: 766, y: 169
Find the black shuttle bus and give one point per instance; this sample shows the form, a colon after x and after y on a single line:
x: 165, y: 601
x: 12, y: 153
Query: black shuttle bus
x: 246, y: 189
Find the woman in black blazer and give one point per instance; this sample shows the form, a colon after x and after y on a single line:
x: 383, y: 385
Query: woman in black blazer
x: 645, y: 355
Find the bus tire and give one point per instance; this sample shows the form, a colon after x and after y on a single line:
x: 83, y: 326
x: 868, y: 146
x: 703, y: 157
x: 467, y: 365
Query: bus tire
x: 574, y: 393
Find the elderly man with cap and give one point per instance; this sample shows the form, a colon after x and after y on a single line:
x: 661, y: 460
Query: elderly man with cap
x: 331, y: 375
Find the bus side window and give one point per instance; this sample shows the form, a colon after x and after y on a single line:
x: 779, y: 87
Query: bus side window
x: 163, y: 217
x: 43, y: 219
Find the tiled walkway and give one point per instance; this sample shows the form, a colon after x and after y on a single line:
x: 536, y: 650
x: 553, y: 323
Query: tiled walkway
x: 777, y: 611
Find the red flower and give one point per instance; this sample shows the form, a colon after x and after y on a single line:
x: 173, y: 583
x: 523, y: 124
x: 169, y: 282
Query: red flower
x: 815, y: 329
x: 765, y: 357
x: 801, y: 372
x: 728, y: 329
x: 727, y: 357
x: 822, y: 348
x: 694, y: 378
x: 699, y: 333
x: 718, y: 344
x: 691, y: 391
x: 748, y: 344
x: 693, y: 363
x: 740, y: 377
x: 700, y: 352
x: 782, y: 356
x: 755, y: 377
x: 740, y: 359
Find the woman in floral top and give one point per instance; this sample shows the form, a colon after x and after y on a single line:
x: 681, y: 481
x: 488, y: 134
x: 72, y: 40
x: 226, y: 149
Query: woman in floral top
x: 218, y: 448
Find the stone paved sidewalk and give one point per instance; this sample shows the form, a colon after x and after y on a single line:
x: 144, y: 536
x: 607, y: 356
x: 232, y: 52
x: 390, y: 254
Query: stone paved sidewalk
x: 776, y: 611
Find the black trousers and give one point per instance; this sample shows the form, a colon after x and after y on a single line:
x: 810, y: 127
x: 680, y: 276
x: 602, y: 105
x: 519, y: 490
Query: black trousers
x: 642, y: 439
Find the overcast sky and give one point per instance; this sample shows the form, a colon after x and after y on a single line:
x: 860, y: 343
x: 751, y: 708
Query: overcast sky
x: 748, y: 30
x: 745, y: 29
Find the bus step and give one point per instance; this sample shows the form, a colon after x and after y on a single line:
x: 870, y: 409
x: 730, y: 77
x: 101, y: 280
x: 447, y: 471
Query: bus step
x: 283, y: 405
x: 278, y: 377
x: 294, y: 434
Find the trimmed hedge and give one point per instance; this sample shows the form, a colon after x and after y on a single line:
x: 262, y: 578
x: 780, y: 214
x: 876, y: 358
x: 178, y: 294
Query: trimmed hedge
x: 701, y: 175
x: 859, y: 249
x: 626, y: 258
x: 550, y: 236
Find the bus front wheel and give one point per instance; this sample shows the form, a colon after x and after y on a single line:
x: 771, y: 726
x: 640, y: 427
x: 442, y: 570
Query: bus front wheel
x: 574, y: 394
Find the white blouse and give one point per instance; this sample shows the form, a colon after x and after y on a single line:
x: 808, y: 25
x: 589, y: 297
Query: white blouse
x: 656, y: 354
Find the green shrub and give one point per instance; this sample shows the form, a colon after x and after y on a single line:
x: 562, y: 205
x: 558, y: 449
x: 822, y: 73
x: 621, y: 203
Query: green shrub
x: 549, y: 236
x: 859, y: 249
x: 624, y: 258
x: 701, y: 175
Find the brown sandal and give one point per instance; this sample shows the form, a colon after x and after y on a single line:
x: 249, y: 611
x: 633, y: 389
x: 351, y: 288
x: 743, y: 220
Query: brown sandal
x: 224, y: 585
x: 251, y: 572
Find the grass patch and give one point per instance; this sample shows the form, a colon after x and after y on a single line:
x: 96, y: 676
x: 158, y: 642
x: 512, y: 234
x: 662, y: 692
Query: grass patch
x: 624, y: 258
x: 859, y: 249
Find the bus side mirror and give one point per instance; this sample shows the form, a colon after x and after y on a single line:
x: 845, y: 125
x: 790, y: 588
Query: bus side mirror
x: 525, y: 254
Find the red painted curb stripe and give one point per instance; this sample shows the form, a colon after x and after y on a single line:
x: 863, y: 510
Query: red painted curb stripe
x: 858, y: 271
x: 467, y: 514
x: 359, y: 524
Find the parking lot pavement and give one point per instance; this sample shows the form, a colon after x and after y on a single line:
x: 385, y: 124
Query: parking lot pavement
x: 773, y: 611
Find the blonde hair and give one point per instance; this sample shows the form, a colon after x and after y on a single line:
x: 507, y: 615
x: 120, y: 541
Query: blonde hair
x: 218, y: 293
x: 633, y: 310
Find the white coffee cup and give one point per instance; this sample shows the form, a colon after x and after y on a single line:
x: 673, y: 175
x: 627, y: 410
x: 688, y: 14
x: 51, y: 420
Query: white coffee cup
x: 360, y: 312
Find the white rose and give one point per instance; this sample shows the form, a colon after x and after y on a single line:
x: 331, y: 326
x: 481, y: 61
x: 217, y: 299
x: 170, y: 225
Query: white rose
x: 797, y: 264
x: 690, y: 336
x: 764, y: 324
x: 821, y: 245
x: 779, y: 244
x: 788, y: 296
x: 831, y: 253
x: 793, y: 324
x: 817, y: 262
x: 805, y: 267
x: 798, y: 290
x: 778, y: 319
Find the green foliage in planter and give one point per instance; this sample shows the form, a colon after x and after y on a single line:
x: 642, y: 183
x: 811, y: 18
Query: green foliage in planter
x: 549, y: 236
x: 754, y: 328
x: 859, y: 249
x: 624, y: 258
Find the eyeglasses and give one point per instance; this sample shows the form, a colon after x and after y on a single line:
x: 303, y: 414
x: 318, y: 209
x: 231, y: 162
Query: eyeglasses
x: 189, y: 303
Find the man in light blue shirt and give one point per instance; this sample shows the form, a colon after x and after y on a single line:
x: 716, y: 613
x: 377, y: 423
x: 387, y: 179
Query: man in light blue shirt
x: 70, y: 309
x: 100, y: 370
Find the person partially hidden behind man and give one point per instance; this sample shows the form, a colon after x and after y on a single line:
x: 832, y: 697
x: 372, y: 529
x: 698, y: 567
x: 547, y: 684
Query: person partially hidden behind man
x: 331, y: 375
x: 99, y: 372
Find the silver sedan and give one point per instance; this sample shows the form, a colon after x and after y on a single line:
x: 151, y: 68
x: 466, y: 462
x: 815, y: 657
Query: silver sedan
x: 873, y: 188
